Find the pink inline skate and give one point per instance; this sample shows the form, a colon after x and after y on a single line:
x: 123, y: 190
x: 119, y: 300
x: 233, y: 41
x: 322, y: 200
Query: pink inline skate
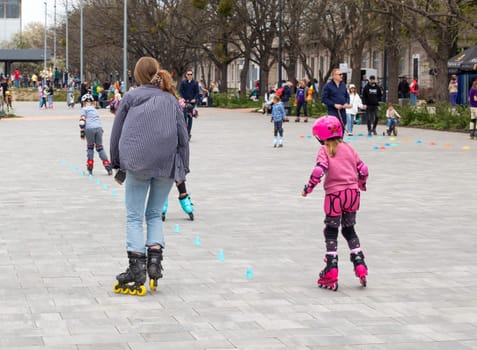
x: 360, y: 268
x: 329, y: 275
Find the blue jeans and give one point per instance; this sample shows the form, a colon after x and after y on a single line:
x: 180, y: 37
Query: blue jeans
x: 188, y: 120
x: 413, y: 99
x: 453, y: 99
x: 149, y: 194
x: 349, y: 122
x: 390, y: 121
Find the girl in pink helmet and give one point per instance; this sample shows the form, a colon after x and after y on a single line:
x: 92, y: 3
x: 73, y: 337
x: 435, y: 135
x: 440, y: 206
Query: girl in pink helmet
x: 345, y: 176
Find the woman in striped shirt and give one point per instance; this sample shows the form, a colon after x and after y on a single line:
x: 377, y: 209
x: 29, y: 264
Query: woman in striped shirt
x: 149, y: 143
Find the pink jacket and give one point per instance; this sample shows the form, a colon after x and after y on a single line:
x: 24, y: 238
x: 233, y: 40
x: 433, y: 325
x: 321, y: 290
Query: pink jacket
x: 342, y: 168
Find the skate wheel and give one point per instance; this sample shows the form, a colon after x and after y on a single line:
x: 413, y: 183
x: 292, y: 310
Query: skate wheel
x: 363, y: 281
x: 125, y: 290
x: 141, y: 291
x: 117, y: 288
x: 132, y: 292
x: 191, y: 216
x: 152, y: 285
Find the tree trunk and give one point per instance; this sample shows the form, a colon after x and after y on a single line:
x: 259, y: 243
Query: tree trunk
x: 264, y: 72
x: 290, y: 68
x: 356, y: 58
x: 441, y: 93
x: 243, y: 77
x: 224, y: 76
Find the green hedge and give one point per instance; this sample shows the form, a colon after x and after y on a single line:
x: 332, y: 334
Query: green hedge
x: 444, y: 118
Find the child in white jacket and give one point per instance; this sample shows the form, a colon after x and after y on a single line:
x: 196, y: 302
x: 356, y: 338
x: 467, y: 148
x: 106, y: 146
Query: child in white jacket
x: 355, y: 102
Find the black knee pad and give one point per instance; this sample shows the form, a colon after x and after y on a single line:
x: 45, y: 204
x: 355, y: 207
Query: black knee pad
x: 90, y: 146
x: 348, y: 233
x: 99, y: 148
x: 182, y: 188
x: 330, y: 232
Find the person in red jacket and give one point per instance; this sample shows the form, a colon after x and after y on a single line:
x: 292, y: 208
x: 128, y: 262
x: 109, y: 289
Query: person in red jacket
x: 414, y: 90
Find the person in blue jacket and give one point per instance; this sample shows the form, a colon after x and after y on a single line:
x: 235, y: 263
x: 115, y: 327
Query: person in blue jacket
x: 335, y: 96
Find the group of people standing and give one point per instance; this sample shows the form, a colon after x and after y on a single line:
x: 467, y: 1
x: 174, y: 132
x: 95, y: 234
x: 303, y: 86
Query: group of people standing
x: 344, y: 103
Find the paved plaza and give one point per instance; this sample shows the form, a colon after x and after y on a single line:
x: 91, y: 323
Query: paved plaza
x: 62, y: 242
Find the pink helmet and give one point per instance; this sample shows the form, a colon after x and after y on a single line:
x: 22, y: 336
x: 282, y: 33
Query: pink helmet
x: 327, y: 127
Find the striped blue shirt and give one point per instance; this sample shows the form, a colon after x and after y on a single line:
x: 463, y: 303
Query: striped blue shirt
x: 149, y: 135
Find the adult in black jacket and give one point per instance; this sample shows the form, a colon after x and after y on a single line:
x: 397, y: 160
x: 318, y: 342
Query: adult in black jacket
x: 372, y: 95
x: 403, y: 88
x: 189, y: 91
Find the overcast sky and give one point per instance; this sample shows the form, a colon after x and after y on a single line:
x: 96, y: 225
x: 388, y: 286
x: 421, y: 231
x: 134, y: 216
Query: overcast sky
x: 34, y: 11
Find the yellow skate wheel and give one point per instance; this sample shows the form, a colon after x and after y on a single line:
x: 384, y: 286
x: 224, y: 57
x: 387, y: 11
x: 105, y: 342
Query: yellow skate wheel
x: 141, y: 291
x: 117, y: 288
x: 151, y: 285
x: 125, y: 290
x: 132, y: 292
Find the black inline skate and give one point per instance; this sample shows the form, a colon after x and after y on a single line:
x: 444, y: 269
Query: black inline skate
x: 132, y: 281
x: 154, y: 267
x: 360, y: 268
x: 329, y: 275
x: 108, y: 167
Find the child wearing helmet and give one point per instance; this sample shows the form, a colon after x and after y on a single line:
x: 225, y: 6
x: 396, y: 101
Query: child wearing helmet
x: 345, y: 175
x: 92, y: 129
x: 166, y: 84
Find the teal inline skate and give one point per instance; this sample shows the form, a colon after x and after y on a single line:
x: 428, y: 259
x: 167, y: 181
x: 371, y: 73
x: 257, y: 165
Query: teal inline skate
x: 186, y: 205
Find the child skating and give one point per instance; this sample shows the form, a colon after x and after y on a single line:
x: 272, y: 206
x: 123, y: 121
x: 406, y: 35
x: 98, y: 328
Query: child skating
x: 167, y: 84
x: 345, y: 175
x: 278, y: 116
x: 92, y: 129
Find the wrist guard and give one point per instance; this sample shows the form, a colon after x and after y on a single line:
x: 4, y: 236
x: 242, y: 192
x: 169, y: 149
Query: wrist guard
x: 315, y: 178
x: 362, y: 176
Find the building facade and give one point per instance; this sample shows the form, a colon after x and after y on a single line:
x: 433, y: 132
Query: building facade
x: 10, y: 19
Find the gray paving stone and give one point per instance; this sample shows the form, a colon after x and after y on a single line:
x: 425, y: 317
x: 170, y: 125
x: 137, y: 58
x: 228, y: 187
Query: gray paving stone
x: 62, y: 244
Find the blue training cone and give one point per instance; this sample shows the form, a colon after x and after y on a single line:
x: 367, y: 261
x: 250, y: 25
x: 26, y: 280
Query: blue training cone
x: 177, y: 228
x: 249, y: 273
x: 197, y: 242
x: 220, y: 256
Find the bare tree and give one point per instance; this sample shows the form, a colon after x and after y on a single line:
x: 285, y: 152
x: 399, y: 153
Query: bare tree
x: 328, y: 29
x: 435, y: 24
x: 263, y: 24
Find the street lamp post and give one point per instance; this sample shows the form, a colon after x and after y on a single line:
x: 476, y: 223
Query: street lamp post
x: 280, y: 63
x: 81, y: 42
x: 67, y: 43
x: 44, y: 48
x: 54, y: 35
x: 125, y: 46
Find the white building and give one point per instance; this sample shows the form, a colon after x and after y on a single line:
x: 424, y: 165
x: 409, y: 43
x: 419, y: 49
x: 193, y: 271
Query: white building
x: 10, y: 19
